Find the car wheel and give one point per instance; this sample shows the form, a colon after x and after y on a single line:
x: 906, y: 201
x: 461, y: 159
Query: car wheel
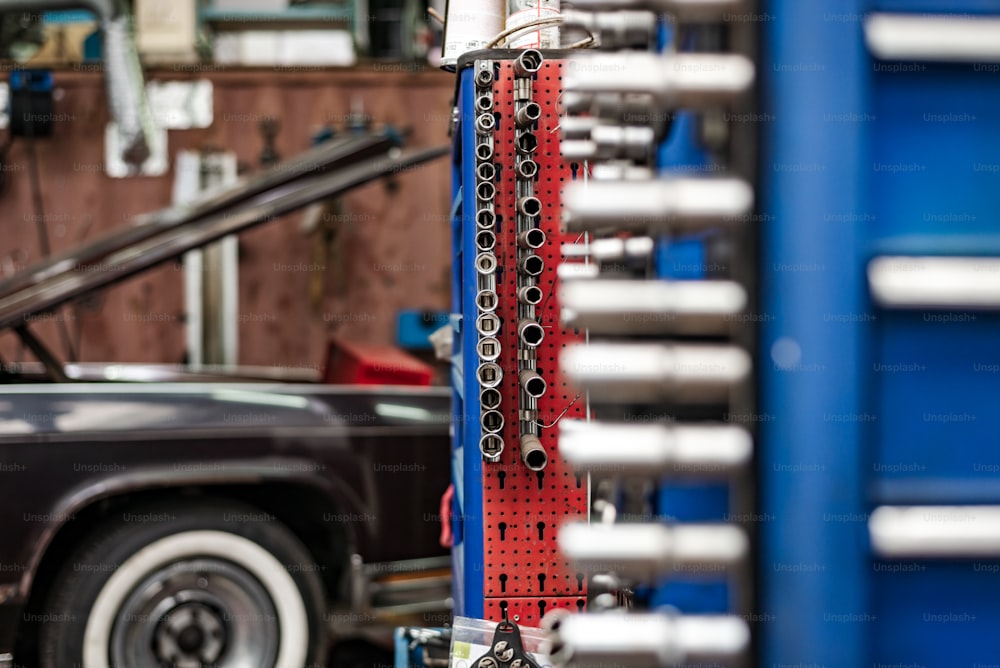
x: 185, y: 585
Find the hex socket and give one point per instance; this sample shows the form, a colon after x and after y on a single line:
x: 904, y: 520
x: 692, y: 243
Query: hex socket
x: 484, y: 78
x: 532, y: 383
x: 484, y: 102
x: 490, y: 398
x: 489, y: 374
x: 526, y: 143
x: 532, y: 453
x: 528, y: 114
x: 486, y: 219
x: 486, y: 191
x: 526, y: 169
x: 487, y: 301
x: 529, y: 206
x: 484, y: 151
x: 532, y: 265
x: 491, y: 421
x: 485, y: 240
x: 486, y: 171
x: 486, y: 263
x: 488, y: 349
x: 530, y: 294
x: 530, y: 333
x: 527, y: 62
x: 533, y: 238
x: 485, y: 124
x: 491, y: 445
x: 487, y: 324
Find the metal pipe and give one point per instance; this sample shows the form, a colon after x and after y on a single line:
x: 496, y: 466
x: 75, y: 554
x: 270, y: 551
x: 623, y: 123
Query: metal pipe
x: 533, y: 238
x: 649, y: 372
x: 648, y: 640
x: 696, y: 451
x: 489, y: 374
x: 532, y: 265
x: 649, y: 552
x: 527, y: 62
x: 652, y: 307
x: 529, y: 294
x: 532, y: 453
x: 532, y: 383
x: 527, y: 115
x: 526, y: 169
x: 530, y: 333
x: 656, y: 205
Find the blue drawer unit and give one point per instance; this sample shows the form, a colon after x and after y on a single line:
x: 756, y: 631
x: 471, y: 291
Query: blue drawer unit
x: 880, y: 200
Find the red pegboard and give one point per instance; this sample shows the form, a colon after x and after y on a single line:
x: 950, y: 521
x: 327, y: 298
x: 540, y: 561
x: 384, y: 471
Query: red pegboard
x: 528, y: 611
x: 523, y: 510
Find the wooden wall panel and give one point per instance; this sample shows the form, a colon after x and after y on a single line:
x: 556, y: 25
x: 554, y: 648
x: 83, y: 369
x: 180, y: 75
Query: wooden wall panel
x: 387, y: 248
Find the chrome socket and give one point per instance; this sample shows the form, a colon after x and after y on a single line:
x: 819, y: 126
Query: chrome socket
x: 526, y: 116
x: 487, y: 301
x: 531, y: 265
x: 484, y: 103
x: 485, y: 124
x: 526, y: 143
x: 532, y: 383
x: 490, y: 397
x: 491, y: 445
x: 533, y: 238
x: 489, y: 374
x: 488, y: 324
x: 529, y: 295
x: 486, y: 171
x: 484, y: 150
x: 530, y: 333
x: 491, y: 421
x: 527, y: 62
x: 485, y: 240
x: 532, y: 453
x: 486, y: 191
x: 527, y: 169
x: 529, y: 206
x: 486, y: 219
x: 486, y: 263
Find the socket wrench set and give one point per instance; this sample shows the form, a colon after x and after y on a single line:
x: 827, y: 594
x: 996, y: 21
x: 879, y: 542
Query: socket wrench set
x: 513, y: 488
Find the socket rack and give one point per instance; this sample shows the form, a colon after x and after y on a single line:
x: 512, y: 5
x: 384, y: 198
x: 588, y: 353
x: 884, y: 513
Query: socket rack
x: 665, y: 361
x: 514, y: 489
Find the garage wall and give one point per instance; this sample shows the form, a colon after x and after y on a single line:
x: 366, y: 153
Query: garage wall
x: 384, y: 247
